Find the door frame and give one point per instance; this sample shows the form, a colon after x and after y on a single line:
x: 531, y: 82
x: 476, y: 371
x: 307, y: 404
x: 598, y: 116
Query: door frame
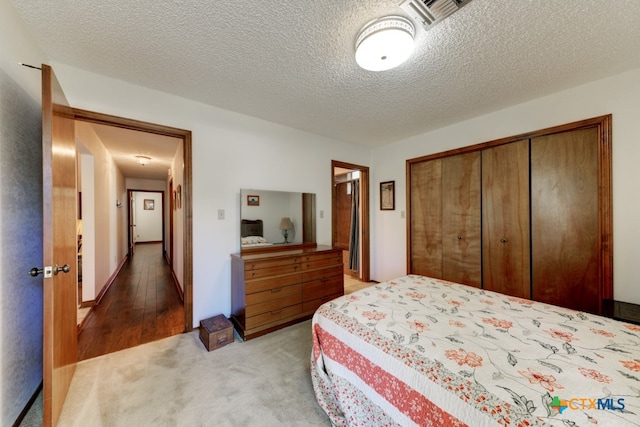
x: 365, y: 256
x: 187, y: 187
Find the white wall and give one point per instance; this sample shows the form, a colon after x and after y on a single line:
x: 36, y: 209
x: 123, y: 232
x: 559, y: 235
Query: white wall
x: 148, y: 221
x: 230, y: 152
x: 618, y: 95
x: 108, y: 245
x: 21, y: 295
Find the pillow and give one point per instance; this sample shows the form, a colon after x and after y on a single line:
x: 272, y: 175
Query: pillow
x: 252, y: 240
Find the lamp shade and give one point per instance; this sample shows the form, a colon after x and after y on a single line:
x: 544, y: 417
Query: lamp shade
x: 385, y: 43
x: 286, y: 224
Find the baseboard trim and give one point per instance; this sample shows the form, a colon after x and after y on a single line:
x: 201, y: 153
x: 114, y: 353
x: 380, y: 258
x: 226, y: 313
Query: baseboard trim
x: 176, y: 283
x: 94, y: 303
x: 110, y: 281
x: 28, y: 406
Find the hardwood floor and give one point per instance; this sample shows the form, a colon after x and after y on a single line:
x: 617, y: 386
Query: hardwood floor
x: 142, y: 305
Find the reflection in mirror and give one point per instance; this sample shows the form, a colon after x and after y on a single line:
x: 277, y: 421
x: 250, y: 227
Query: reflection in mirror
x: 276, y: 218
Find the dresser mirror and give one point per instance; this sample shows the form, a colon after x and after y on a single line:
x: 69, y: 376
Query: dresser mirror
x: 276, y: 220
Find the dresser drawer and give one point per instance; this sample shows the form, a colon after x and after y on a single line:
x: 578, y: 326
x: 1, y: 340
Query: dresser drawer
x: 272, y: 262
x: 270, y: 271
x: 322, y: 262
x: 321, y: 287
x: 272, y: 316
x: 337, y: 270
x: 272, y: 305
x: 323, y: 255
x: 276, y: 294
x: 269, y: 283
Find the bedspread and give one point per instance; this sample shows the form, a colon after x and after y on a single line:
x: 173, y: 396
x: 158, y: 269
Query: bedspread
x: 422, y: 351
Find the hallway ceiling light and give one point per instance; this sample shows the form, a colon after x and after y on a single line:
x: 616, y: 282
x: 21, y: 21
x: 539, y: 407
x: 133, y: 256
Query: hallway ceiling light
x: 384, y: 43
x: 143, y: 160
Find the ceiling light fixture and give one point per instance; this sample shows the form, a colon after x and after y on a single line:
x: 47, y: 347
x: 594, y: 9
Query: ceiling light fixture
x: 385, y: 43
x: 143, y: 160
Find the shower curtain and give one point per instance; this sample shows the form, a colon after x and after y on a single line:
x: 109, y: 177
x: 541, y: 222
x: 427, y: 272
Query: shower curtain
x: 354, y: 240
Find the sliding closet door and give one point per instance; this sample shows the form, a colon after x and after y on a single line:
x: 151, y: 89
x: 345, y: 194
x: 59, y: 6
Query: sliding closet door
x: 505, y: 219
x: 425, y: 232
x: 461, y: 261
x: 564, y: 219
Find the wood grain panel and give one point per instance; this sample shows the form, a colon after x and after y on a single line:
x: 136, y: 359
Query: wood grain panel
x: 59, y: 246
x: 505, y: 219
x: 461, y: 240
x: 343, y: 201
x: 426, y: 218
x: 564, y: 219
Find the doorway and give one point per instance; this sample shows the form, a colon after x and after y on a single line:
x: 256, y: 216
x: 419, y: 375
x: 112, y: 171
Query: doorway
x: 185, y: 251
x: 350, y: 220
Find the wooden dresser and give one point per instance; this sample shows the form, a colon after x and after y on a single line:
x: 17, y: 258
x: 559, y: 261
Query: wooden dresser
x: 275, y: 289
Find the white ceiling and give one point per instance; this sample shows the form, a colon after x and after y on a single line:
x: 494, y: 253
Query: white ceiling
x: 292, y: 62
x: 124, y: 145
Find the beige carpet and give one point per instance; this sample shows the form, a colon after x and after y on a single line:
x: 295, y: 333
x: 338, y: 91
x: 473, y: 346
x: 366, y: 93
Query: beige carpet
x: 176, y: 382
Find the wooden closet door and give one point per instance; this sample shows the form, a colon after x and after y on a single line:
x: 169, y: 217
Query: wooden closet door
x: 564, y: 219
x: 461, y: 259
x: 426, y: 218
x: 505, y: 219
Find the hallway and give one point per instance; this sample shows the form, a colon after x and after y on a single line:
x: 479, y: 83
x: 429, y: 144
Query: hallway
x: 142, y: 305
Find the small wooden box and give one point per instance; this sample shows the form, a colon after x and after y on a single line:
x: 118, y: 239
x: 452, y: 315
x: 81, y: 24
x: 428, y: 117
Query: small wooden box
x: 216, y: 332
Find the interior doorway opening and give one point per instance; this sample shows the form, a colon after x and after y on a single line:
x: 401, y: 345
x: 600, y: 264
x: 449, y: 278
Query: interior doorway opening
x: 350, y: 220
x: 182, y: 260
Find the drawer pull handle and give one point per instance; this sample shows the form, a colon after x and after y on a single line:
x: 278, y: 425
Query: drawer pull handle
x: 273, y: 291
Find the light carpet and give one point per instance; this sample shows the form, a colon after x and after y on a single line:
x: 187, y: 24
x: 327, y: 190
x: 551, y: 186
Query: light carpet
x: 176, y: 382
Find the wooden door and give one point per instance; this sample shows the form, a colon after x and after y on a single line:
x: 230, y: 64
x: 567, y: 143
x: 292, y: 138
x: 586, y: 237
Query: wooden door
x: 343, y: 221
x: 564, y: 219
x: 59, y: 246
x: 426, y: 218
x: 505, y: 219
x: 461, y: 240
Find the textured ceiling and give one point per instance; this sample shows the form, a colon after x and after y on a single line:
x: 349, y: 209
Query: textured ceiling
x: 292, y: 62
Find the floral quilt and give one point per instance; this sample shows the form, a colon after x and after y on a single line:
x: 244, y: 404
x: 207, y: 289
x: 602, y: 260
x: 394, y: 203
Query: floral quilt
x: 422, y: 351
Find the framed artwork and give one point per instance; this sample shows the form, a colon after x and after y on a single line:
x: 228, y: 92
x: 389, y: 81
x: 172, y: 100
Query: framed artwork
x: 149, y: 204
x: 253, y: 200
x: 179, y: 197
x: 387, y: 196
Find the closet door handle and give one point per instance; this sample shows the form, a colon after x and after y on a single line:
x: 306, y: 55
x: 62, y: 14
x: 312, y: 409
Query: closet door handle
x: 503, y: 240
x: 459, y: 237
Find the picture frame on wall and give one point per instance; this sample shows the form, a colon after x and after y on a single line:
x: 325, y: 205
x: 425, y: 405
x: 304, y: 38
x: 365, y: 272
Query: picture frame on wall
x: 387, y: 196
x: 179, y: 197
x: 149, y: 204
x: 253, y: 200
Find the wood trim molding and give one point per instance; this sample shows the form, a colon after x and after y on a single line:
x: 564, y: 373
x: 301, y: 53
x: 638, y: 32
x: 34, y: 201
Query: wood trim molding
x: 110, y: 281
x: 176, y: 283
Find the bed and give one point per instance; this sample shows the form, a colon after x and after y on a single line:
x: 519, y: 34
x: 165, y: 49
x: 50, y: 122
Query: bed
x: 422, y: 351
x: 252, y: 234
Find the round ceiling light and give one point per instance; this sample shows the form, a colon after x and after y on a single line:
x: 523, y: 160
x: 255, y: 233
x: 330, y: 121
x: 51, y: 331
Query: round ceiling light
x: 384, y: 43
